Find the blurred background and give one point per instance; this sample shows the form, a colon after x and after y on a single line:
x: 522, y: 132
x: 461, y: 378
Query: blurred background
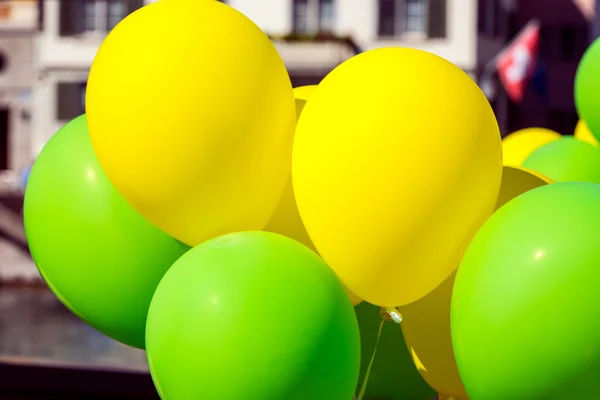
x: 523, y: 53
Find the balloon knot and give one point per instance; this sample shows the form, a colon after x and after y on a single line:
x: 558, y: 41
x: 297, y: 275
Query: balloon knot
x: 391, y: 314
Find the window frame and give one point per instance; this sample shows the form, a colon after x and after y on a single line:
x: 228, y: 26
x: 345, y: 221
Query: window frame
x: 125, y: 13
x: 425, y: 19
x: 70, y: 99
x: 314, y: 17
x: 100, y: 10
x: 296, y: 17
x: 401, y: 21
x: 330, y: 19
x: 72, y: 17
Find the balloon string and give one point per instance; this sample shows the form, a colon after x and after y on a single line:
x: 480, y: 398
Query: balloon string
x: 363, y: 388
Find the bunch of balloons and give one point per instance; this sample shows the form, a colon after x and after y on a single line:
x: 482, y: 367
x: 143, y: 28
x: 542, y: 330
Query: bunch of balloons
x: 525, y: 301
x: 205, y: 211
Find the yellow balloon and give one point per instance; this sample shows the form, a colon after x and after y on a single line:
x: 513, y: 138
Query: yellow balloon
x: 517, y: 146
x: 286, y: 219
x: 426, y: 323
x: 396, y: 164
x: 191, y: 114
x: 582, y: 132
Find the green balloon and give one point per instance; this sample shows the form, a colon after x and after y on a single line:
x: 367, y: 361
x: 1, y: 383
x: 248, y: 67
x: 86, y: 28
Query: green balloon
x: 95, y: 252
x: 566, y: 160
x: 252, y: 315
x: 526, y: 301
x: 587, y: 88
x: 393, y: 374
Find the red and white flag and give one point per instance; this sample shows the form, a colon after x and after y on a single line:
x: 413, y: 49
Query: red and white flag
x: 517, y: 63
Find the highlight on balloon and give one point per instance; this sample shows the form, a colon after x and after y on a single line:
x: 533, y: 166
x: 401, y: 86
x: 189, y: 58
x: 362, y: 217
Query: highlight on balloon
x: 373, y: 236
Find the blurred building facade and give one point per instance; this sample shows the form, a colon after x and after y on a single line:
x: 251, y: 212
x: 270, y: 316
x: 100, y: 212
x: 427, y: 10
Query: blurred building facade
x: 564, y: 36
x: 443, y: 27
x: 313, y: 36
x: 596, y: 20
x: 18, y: 28
x: 71, y: 32
x: 469, y: 33
x: 493, y: 34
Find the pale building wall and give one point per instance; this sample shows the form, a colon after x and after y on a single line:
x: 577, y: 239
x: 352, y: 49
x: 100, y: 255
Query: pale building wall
x: 58, y: 59
x: 61, y: 59
x: 18, y: 23
x: 358, y: 18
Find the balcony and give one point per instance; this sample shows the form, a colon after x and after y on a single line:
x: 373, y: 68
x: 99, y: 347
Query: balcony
x: 314, y: 55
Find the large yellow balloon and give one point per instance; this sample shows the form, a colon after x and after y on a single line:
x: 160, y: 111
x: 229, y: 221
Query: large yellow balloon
x: 517, y: 146
x: 582, y: 132
x: 426, y: 323
x: 396, y: 164
x: 286, y: 219
x: 191, y: 114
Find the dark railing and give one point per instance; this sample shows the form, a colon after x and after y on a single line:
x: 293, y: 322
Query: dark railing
x: 320, y: 38
x: 47, y: 353
x: 23, y: 379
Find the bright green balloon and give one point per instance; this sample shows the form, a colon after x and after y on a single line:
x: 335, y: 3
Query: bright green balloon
x: 526, y: 300
x: 393, y: 374
x: 587, y: 88
x: 98, y: 255
x: 566, y: 160
x: 252, y: 315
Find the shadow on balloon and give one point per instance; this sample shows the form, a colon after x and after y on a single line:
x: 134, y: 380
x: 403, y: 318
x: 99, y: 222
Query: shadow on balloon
x: 286, y: 219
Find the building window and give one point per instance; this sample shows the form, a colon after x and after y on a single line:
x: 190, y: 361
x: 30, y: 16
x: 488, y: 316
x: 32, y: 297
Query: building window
x: 562, y: 121
x: 573, y: 43
x: 326, y: 15
x: 425, y: 18
x: 93, y: 17
x: 89, y: 16
x: 301, y: 16
x: 313, y: 16
x: 4, y: 139
x: 387, y: 18
x: 117, y: 10
x: 41, y: 15
x: 416, y: 17
x: 3, y: 62
x: 70, y: 100
x: 549, y: 43
x: 490, y: 17
x: 563, y: 43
